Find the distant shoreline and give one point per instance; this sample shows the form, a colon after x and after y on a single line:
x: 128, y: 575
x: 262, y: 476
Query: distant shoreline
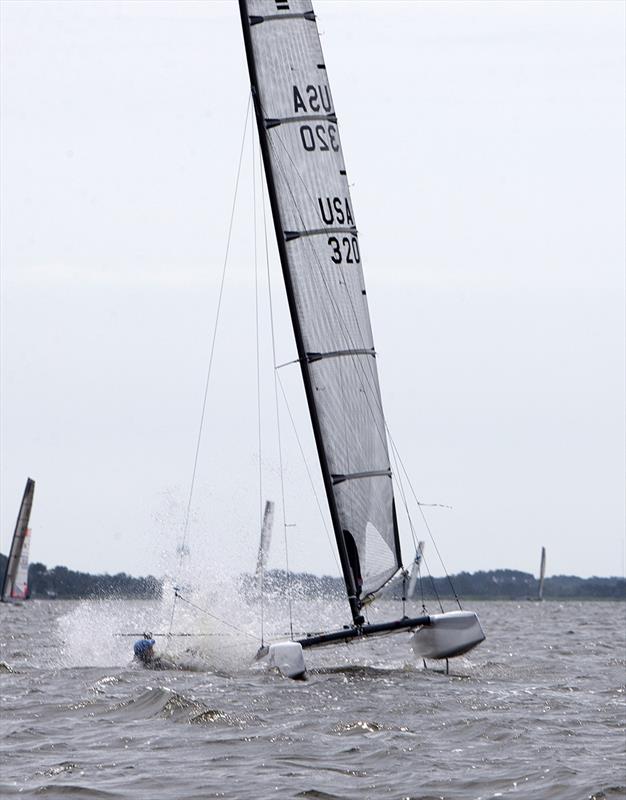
x: 501, y: 584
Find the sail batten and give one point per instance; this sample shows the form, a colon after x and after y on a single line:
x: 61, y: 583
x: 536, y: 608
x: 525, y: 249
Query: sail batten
x: 272, y: 123
x: 256, y: 19
x: 321, y: 260
x: 339, y: 354
x: 375, y: 473
x: 290, y: 235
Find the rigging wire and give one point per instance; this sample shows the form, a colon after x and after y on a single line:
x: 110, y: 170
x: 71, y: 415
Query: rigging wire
x: 370, y: 379
x: 213, y: 616
x: 278, y: 430
x: 356, y: 361
x: 258, y: 384
x: 420, y: 506
x: 434, y: 586
x: 398, y: 476
x: 334, y: 306
x: 309, y: 473
x: 212, y: 352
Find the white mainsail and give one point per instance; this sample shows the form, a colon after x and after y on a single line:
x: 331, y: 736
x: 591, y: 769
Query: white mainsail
x: 15, y: 584
x: 321, y: 259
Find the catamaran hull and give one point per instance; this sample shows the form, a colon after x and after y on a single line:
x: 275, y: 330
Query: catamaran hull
x: 448, y: 635
x: 288, y: 659
x: 433, y: 636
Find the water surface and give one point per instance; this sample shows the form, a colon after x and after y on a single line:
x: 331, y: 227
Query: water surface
x: 537, y: 711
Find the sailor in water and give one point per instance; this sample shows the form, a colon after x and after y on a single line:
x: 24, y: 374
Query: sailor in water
x: 145, y: 655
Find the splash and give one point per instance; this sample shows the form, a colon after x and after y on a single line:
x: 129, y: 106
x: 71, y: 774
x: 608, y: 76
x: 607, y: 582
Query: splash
x: 209, y: 616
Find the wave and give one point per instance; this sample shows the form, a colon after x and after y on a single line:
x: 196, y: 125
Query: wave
x: 164, y: 703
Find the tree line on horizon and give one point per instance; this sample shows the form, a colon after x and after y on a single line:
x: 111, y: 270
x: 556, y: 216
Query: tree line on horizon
x: 499, y: 584
x: 66, y: 583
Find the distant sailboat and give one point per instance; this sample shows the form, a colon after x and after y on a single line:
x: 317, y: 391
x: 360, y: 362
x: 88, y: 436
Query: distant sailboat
x: 15, y: 583
x: 542, y: 573
x: 264, y: 545
x: 416, y: 567
x: 321, y: 261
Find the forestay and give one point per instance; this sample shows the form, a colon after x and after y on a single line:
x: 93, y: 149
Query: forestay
x: 321, y: 258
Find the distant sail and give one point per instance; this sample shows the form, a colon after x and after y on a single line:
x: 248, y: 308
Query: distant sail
x: 542, y: 573
x: 319, y: 248
x: 415, y: 569
x: 15, y: 584
x: 264, y: 544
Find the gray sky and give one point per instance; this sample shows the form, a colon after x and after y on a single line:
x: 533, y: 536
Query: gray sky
x: 485, y: 147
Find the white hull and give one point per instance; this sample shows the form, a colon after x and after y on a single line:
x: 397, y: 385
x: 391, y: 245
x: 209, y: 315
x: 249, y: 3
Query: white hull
x: 448, y: 635
x: 434, y: 636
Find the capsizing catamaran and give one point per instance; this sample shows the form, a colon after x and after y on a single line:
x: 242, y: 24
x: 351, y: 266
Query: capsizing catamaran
x: 15, y: 583
x: 319, y: 250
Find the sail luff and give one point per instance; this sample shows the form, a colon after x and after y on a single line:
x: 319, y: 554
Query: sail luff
x: 17, y: 543
x: 302, y: 354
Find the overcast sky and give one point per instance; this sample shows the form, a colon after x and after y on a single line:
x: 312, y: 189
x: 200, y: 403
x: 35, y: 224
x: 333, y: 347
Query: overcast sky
x: 484, y: 144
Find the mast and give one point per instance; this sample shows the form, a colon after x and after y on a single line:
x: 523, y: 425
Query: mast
x: 20, y: 538
x: 320, y: 258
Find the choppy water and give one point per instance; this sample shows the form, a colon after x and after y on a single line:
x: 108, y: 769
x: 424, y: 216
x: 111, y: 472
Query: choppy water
x: 537, y: 711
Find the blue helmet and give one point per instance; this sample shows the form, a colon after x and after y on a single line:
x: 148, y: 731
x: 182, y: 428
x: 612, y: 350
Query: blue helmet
x: 142, y: 645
